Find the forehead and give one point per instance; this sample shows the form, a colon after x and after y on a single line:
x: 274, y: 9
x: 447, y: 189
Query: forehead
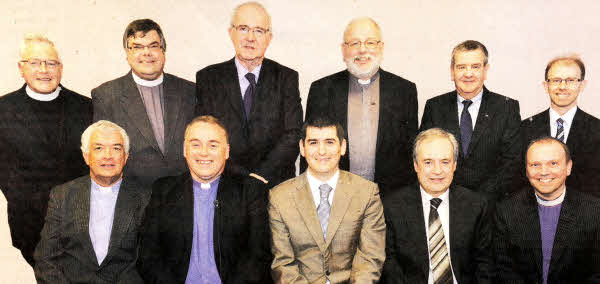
x: 106, y: 136
x: 564, y: 69
x: 435, y: 148
x: 40, y: 50
x: 205, y: 132
x: 251, y: 16
x: 362, y: 29
x: 469, y: 57
x: 321, y: 133
x: 141, y: 38
x: 545, y: 151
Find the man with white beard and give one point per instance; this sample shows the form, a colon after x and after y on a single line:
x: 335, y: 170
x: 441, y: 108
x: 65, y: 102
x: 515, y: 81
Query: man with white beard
x: 377, y: 109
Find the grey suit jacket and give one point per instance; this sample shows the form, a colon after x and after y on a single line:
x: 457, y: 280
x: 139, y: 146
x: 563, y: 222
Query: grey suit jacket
x: 65, y: 253
x: 119, y: 101
x: 354, y: 250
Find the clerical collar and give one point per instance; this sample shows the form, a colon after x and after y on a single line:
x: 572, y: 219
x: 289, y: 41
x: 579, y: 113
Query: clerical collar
x: 147, y: 83
x: 549, y: 203
x: 207, y: 186
x: 42, y: 97
x: 365, y: 82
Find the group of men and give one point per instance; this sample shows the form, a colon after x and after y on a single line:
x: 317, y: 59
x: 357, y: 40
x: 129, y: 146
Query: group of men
x: 196, y: 183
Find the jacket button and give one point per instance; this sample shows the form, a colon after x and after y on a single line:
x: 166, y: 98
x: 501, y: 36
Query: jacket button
x: 327, y: 272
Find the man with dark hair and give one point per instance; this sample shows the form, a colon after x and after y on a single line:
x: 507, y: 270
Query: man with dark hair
x: 151, y: 105
x: 327, y: 225
x: 377, y: 109
x: 256, y: 98
x: 40, y: 125
x: 548, y: 232
x: 564, y: 80
x: 92, y: 225
x: 206, y: 226
x: 485, y: 123
x: 436, y: 232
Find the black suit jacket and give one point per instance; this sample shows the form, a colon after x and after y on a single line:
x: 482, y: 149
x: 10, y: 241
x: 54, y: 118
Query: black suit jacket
x: 120, y: 101
x: 65, y: 253
x: 583, y: 142
x: 518, y: 240
x: 240, y: 233
x: 407, y: 258
x: 495, y: 147
x: 34, y: 158
x: 267, y: 144
x: 398, y: 120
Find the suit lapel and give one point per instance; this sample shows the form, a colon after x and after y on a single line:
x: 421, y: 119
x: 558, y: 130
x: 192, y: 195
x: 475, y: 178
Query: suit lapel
x: 232, y: 85
x: 266, y: 81
x: 342, y: 197
x: 385, y: 94
x: 577, y: 127
x: 567, y: 225
x: 125, y: 208
x: 81, y: 216
x: 456, y: 215
x: 132, y: 104
x: 484, y: 117
x: 306, y: 207
x: 420, y: 243
x: 172, y: 101
x: 450, y: 115
x: 532, y: 230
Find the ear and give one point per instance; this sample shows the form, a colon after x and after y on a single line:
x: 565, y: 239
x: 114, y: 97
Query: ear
x: 85, y: 158
x: 226, y: 151
x: 21, y: 69
x: 569, y: 166
x: 343, y: 149
x: 301, y: 144
x: 485, y: 70
x: 582, y: 85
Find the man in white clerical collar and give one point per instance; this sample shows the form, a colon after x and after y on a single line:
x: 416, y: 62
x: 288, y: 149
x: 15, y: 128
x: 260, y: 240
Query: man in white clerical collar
x: 153, y: 106
x: 40, y: 125
x: 548, y: 235
x: 92, y: 222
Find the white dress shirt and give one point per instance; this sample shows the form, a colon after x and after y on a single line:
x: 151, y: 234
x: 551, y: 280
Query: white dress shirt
x: 473, y: 109
x: 103, y: 201
x: 567, y: 118
x: 444, y: 213
x: 241, y: 72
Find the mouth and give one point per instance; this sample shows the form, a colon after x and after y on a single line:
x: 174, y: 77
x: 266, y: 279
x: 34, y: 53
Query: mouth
x: 362, y: 59
x: 107, y: 166
x: 44, y: 79
x: 545, y: 180
x: 437, y: 180
x: 204, y: 162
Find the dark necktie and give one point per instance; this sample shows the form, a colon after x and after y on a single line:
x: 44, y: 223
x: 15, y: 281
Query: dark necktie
x: 560, y: 130
x: 438, y: 252
x: 249, y: 94
x: 466, y: 127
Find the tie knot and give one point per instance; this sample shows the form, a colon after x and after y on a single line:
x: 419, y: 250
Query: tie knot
x: 560, y: 121
x: 325, y: 190
x: 435, y: 202
x: 251, y: 78
x: 467, y: 103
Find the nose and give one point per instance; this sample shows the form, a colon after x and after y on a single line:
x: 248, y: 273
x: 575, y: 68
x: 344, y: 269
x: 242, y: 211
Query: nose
x: 321, y: 148
x: 250, y: 36
x: 437, y: 168
x: 203, y: 151
x: 544, y: 170
x: 563, y: 84
x: 43, y: 67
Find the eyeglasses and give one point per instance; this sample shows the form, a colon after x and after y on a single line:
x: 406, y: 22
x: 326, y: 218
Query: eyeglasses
x: 155, y: 46
x: 370, y: 44
x: 257, y: 31
x: 36, y: 63
x: 571, y: 82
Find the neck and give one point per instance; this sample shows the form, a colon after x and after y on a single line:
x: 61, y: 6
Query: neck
x: 551, y: 196
x: 562, y: 110
x: 251, y: 64
x: 469, y: 96
x: 107, y: 181
x: 324, y: 177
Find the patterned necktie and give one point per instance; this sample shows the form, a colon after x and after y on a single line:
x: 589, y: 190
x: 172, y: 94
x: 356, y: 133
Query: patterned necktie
x: 324, y: 208
x: 440, y: 261
x: 249, y: 94
x: 466, y: 127
x: 560, y: 130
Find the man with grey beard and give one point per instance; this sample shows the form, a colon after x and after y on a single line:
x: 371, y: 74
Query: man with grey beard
x: 377, y: 109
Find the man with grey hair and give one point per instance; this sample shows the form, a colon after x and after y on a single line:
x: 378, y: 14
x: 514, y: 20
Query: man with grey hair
x: 377, y: 109
x: 564, y: 80
x: 257, y: 99
x: 92, y: 225
x: 436, y: 232
x: 486, y: 123
x: 40, y: 125
x: 153, y: 106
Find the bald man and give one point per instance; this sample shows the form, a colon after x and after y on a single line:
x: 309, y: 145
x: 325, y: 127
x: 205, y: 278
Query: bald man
x: 367, y: 100
x: 256, y: 99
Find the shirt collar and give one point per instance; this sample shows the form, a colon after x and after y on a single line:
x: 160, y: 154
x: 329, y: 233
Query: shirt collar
x: 42, y: 97
x: 105, y: 189
x: 549, y: 203
x: 567, y: 117
x: 206, y: 186
x: 426, y: 197
x: 147, y: 83
x: 315, y: 183
x: 242, y: 71
x: 366, y: 82
x: 475, y: 100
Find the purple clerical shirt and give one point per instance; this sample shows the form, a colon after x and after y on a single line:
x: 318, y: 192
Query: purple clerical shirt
x: 203, y: 269
x: 548, y: 223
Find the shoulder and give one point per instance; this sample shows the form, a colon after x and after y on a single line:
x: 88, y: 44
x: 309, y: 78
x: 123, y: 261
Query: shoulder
x: 268, y: 63
x: 330, y: 79
x: 65, y: 189
x: 593, y: 121
x: 515, y: 202
x: 75, y: 97
x: 534, y: 119
x: 497, y: 98
x: 13, y: 97
x: 395, y: 80
x: 442, y: 99
x: 168, y: 187
x: 361, y: 185
x: 111, y: 86
x: 398, y: 197
x: 217, y: 68
x: 178, y: 82
x: 284, y: 189
x: 467, y: 197
x: 132, y: 183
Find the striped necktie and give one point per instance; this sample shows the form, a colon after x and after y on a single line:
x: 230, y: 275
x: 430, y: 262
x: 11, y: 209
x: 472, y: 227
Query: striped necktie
x: 560, y: 130
x: 438, y: 252
x: 324, y: 208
